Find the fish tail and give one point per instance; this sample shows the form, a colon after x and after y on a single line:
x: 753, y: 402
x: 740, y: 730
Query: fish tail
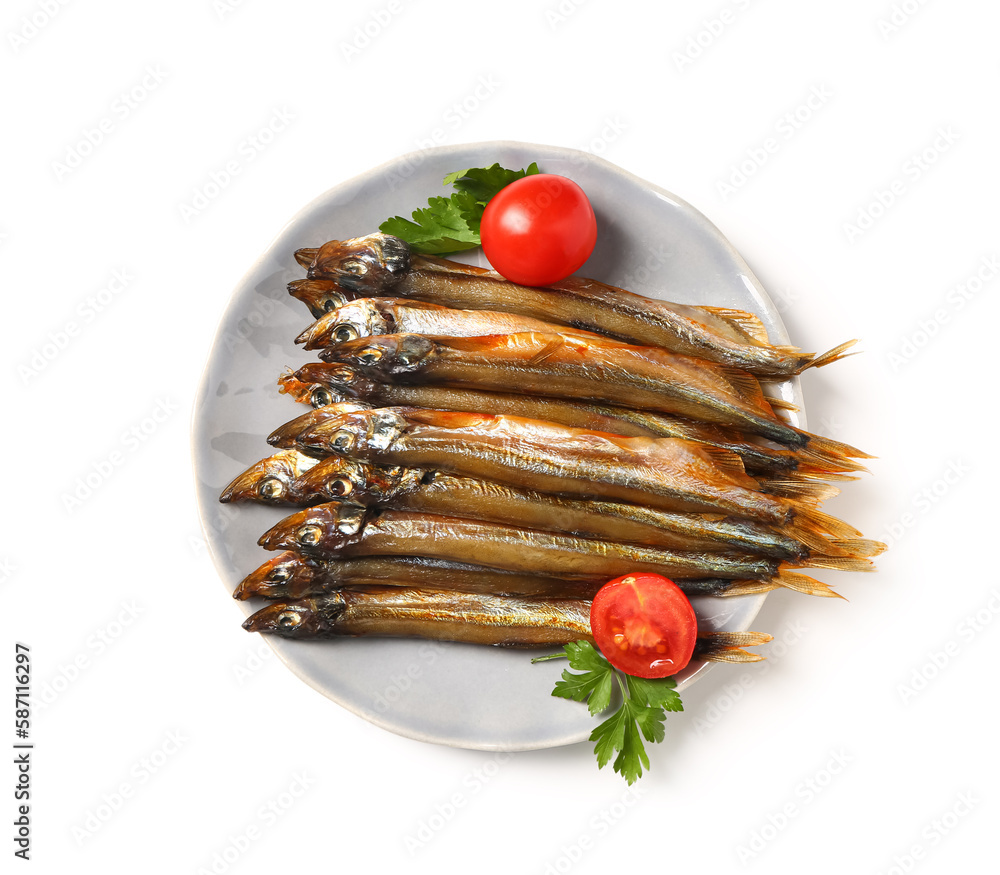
x: 781, y: 404
x: 818, y: 458
x: 728, y: 646
x: 804, y: 584
x: 809, y: 492
x: 305, y: 257
x: 861, y: 547
x: 808, y: 472
x: 825, y: 524
x: 837, y: 563
x: 824, y: 449
x: 830, y: 356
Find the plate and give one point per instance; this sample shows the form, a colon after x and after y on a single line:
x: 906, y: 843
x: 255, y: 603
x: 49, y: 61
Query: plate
x: 484, y: 698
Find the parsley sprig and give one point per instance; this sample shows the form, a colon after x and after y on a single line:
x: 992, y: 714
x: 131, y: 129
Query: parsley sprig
x: 451, y: 224
x: 641, y: 714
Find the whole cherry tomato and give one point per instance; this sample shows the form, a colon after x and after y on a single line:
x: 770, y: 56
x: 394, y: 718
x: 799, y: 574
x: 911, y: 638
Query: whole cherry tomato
x: 539, y: 229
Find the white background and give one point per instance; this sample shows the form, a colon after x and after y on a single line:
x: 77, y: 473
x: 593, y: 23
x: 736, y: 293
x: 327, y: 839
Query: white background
x: 866, y: 744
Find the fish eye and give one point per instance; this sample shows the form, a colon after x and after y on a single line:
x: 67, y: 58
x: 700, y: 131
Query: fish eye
x: 279, y: 575
x: 370, y: 355
x: 320, y: 397
x: 288, y: 619
x: 309, y: 536
x: 343, y: 440
x: 341, y: 486
x: 345, y: 332
x: 271, y: 488
x: 329, y: 304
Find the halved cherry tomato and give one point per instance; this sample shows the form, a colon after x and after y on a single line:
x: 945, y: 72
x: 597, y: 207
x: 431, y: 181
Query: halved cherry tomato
x: 644, y: 625
x: 539, y: 229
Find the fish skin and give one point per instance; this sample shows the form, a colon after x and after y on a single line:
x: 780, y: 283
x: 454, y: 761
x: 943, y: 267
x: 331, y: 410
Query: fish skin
x: 322, y: 383
x: 441, y: 615
x: 337, y: 478
x: 506, y: 621
x: 667, y: 473
x: 572, y: 367
x: 369, y: 317
x: 578, y: 302
x: 293, y: 575
x: 341, y: 529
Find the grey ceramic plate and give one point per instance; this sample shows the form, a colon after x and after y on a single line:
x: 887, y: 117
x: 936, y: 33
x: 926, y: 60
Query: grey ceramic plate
x: 476, y: 697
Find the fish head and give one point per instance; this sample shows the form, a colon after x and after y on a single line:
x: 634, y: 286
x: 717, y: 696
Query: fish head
x: 320, y: 296
x: 337, y: 379
x: 366, y: 266
x: 315, y: 394
x: 357, y: 435
x: 337, y: 478
x: 323, y: 529
x: 361, y: 318
x: 288, y: 575
x: 305, y: 618
x: 289, y: 384
x: 270, y: 480
x: 386, y: 356
x: 286, y: 435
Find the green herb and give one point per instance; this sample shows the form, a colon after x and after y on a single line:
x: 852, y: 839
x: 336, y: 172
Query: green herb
x: 451, y: 224
x: 641, y: 714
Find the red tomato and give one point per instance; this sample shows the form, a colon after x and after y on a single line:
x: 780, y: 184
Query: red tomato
x: 539, y: 229
x: 644, y: 625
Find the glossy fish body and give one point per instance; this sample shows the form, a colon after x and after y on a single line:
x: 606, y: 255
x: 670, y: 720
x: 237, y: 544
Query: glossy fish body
x: 322, y: 383
x: 441, y: 615
x: 560, y: 366
x: 666, y: 473
x: 336, y: 478
x: 368, y: 317
x: 292, y: 575
x: 348, y: 530
x: 465, y: 617
x: 361, y: 267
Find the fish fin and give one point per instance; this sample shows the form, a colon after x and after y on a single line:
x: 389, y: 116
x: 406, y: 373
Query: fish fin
x: 746, y: 322
x: 726, y: 461
x: 860, y: 547
x: 806, y: 472
x: 814, y: 460
x: 305, y: 257
x: 838, y: 563
x: 827, y: 524
x: 831, y: 450
x: 830, y: 356
x: 812, y: 492
x: 781, y: 403
x: 804, y: 584
x: 749, y: 587
x: 553, y: 344
x: 748, y: 387
x: 727, y: 646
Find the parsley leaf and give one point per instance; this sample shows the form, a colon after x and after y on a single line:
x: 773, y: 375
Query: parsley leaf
x: 451, y: 224
x: 640, y: 715
x: 441, y: 227
x: 484, y: 182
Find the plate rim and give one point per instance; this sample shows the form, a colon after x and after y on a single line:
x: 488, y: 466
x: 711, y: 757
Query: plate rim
x: 700, y: 219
